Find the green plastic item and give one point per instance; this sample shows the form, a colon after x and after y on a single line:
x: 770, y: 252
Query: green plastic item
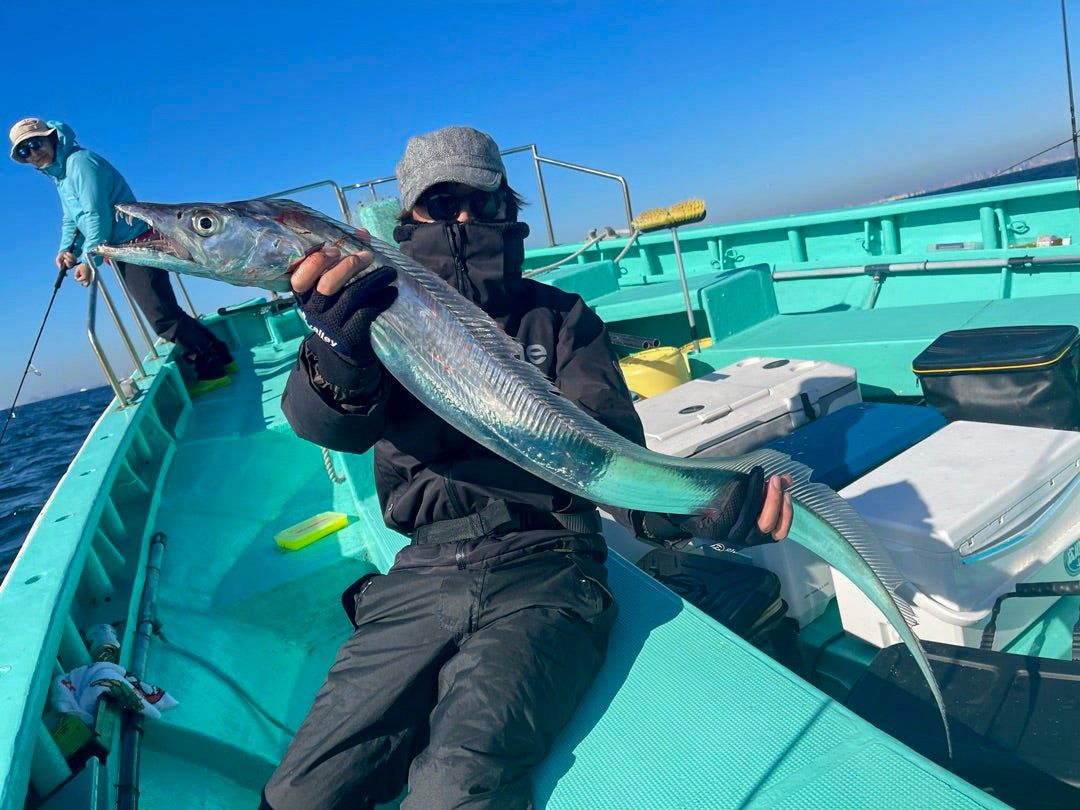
x: 379, y: 217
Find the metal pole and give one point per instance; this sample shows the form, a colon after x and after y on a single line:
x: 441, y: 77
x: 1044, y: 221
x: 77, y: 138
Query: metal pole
x: 1072, y: 105
x: 598, y: 173
x: 543, y: 196
x: 91, y: 331
x: 924, y: 266
x: 184, y: 292
x: 685, y: 291
x: 338, y: 192
x: 119, y: 325
x: 127, y: 789
x: 343, y: 204
x: 134, y: 309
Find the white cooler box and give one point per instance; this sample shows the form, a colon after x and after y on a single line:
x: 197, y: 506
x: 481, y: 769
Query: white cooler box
x: 742, y: 406
x: 806, y: 582
x: 739, y: 408
x: 966, y: 514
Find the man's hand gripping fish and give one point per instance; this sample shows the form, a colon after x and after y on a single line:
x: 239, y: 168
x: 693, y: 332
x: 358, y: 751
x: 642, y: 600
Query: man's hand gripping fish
x: 452, y: 357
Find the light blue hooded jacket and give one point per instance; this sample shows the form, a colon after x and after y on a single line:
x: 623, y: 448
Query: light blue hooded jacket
x: 89, y: 187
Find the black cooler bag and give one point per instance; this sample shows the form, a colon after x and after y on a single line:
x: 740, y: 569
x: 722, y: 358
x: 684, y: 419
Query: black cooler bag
x: 1014, y: 375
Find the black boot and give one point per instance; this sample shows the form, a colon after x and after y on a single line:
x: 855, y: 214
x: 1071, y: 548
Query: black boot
x: 209, y: 372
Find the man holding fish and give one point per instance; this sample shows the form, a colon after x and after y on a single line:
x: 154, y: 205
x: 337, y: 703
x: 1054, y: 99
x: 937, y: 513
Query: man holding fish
x: 472, y: 652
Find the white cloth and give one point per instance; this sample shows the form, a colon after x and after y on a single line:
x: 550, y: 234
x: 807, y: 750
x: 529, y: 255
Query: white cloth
x: 78, y: 692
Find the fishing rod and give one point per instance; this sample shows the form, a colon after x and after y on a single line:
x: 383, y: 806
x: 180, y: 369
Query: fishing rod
x: 1072, y: 104
x: 30, y: 360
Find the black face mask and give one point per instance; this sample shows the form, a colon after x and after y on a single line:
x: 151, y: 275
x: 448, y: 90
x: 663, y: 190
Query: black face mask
x: 482, y: 260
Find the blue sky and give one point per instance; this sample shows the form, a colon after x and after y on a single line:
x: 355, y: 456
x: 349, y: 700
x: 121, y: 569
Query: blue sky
x: 759, y: 108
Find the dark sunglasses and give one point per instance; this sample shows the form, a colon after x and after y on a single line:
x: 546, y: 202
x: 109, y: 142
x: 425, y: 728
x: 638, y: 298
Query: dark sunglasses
x: 24, y: 149
x: 446, y: 205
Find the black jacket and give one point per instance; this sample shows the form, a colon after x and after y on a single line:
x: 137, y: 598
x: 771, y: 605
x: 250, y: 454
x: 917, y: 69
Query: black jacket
x: 427, y: 471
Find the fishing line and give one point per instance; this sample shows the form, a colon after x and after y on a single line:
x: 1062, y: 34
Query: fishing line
x: 30, y: 360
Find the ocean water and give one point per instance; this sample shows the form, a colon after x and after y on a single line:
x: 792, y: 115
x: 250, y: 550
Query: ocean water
x: 40, y: 443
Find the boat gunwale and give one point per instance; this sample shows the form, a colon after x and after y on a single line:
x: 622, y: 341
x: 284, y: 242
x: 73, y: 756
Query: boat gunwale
x: 35, y: 603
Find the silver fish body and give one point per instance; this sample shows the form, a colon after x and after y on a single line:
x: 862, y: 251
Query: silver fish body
x: 456, y: 360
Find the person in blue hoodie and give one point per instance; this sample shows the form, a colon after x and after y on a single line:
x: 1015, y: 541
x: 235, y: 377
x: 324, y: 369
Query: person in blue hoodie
x: 89, y: 187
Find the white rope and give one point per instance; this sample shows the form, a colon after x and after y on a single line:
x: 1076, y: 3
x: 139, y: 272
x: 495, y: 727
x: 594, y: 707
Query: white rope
x: 330, y: 471
x: 629, y: 244
x: 592, y: 238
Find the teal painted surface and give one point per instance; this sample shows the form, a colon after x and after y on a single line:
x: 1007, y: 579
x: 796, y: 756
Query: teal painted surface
x: 881, y: 344
x: 229, y: 474
x: 829, y: 318
x: 591, y: 281
x: 97, y: 519
x: 899, y: 231
x: 1051, y: 635
x: 685, y: 714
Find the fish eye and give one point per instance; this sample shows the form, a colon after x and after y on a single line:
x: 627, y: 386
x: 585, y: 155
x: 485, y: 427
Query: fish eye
x: 205, y: 223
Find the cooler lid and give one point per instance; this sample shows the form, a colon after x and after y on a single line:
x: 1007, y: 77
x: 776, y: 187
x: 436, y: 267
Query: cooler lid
x: 734, y: 399
x: 967, y: 487
x: 997, y: 348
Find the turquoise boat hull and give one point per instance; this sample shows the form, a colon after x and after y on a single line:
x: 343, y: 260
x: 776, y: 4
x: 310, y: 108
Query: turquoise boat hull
x: 684, y: 713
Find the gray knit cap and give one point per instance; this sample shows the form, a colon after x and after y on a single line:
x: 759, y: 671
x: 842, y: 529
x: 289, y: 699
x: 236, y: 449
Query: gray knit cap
x: 449, y: 155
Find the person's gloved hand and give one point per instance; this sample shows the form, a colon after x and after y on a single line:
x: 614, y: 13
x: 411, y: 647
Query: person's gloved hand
x: 339, y: 312
x: 343, y: 320
x: 748, y: 511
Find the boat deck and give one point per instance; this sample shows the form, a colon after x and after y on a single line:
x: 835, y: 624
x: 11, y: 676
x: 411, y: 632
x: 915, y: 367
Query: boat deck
x: 684, y: 714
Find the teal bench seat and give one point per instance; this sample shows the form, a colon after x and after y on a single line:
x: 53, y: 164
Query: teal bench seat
x: 645, y: 300
x: 598, y: 283
x: 684, y: 714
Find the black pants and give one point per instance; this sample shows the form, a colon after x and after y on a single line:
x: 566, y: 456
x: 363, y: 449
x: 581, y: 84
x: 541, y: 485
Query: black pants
x: 455, y: 682
x: 152, y: 291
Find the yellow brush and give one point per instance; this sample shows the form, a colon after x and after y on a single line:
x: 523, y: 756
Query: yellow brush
x: 683, y: 213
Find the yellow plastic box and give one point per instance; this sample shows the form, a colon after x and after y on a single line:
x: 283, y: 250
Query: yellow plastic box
x: 308, y: 531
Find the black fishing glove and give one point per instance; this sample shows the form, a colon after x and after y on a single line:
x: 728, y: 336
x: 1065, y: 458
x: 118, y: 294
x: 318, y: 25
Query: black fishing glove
x: 342, y: 321
x: 341, y: 343
x: 731, y: 518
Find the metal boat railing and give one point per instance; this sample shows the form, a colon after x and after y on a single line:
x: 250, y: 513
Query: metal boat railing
x: 881, y: 271
x: 97, y: 284
x: 339, y: 193
x: 537, y: 159
x: 134, y: 309
x: 187, y: 298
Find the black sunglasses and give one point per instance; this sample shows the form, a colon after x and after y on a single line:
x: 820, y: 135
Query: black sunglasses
x: 446, y: 205
x: 24, y: 149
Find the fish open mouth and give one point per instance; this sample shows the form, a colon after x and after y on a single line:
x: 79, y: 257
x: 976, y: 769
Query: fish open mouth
x: 153, y: 240
x: 150, y: 242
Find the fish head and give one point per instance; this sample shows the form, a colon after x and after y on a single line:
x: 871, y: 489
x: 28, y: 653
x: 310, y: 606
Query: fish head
x: 245, y: 244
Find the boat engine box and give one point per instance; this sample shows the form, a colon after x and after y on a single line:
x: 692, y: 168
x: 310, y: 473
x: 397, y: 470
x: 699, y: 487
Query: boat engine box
x: 1016, y: 375
x: 838, y: 448
x: 740, y: 407
x: 966, y: 514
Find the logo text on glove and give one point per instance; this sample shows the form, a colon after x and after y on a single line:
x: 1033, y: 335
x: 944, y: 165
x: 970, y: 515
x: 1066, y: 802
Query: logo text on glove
x: 325, y: 337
